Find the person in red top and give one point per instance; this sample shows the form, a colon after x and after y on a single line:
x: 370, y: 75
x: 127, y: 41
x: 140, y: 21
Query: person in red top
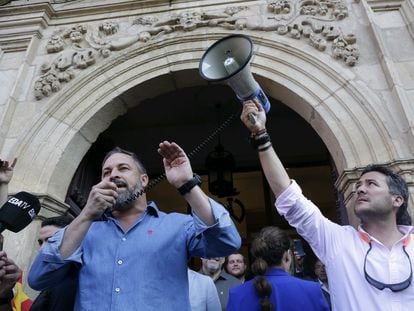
x: 9, y: 271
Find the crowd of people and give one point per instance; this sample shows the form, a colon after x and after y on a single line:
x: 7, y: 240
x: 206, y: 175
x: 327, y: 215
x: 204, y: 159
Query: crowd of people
x: 123, y: 253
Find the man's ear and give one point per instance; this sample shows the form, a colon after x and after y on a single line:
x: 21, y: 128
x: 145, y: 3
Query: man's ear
x: 289, y: 256
x: 397, y: 200
x: 287, y: 260
x: 144, y: 180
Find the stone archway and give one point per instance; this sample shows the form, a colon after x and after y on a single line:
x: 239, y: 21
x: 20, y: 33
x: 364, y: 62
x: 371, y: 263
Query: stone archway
x: 341, y: 110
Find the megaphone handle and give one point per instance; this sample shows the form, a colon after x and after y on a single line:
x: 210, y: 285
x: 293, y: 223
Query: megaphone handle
x: 252, y: 118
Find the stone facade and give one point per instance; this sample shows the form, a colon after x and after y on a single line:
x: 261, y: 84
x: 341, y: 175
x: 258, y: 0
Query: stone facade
x: 344, y: 66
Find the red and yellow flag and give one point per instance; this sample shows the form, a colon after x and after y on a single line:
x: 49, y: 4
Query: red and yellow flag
x: 20, y: 301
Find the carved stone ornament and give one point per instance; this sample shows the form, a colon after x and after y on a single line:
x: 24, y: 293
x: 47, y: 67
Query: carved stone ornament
x: 61, y: 1
x: 81, y: 46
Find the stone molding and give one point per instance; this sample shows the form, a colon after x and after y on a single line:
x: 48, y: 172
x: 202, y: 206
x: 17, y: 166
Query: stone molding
x: 81, y: 46
x: 61, y: 1
x: 18, y: 43
x: 51, y: 206
x: 385, y: 5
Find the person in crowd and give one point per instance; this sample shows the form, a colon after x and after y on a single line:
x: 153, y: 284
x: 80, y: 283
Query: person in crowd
x: 60, y: 297
x: 133, y: 256
x: 9, y: 271
x: 203, y: 292
x: 213, y: 267
x: 9, y: 275
x: 322, y: 278
x: 273, y: 288
x: 299, y: 258
x: 236, y: 266
x: 6, y: 174
x: 369, y: 268
x: 50, y: 226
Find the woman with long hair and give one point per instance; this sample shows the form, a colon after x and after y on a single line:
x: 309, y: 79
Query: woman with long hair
x: 273, y: 288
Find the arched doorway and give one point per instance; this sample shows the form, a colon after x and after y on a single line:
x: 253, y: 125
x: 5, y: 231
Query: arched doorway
x: 340, y: 110
x: 189, y: 115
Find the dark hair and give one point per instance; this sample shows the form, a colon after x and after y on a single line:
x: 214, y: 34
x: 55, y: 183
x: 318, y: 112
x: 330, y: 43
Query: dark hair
x: 58, y: 221
x: 397, y: 186
x: 227, y: 260
x: 137, y: 161
x: 267, y: 249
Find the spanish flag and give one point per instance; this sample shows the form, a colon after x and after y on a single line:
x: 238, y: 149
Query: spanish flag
x: 20, y: 302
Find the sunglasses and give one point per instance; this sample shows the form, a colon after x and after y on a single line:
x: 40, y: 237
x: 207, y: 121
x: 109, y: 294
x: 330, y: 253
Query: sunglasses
x: 396, y: 287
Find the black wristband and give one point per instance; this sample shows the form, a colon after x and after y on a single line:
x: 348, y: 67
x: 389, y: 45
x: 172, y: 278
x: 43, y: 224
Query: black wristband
x: 256, y: 142
x: 186, y: 188
x: 265, y: 147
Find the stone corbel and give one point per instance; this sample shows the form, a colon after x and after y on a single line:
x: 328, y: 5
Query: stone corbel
x: 51, y: 207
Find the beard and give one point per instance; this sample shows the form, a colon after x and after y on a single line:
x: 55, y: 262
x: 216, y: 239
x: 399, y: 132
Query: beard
x: 126, y: 197
x: 213, y: 266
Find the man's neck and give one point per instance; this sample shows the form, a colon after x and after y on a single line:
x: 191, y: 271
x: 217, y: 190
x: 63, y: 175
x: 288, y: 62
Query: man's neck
x: 213, y: 275
x: 129, y: 215
x: 385, y: 232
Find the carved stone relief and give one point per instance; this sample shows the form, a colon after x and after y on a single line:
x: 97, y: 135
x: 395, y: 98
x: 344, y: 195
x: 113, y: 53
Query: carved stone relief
x: 81, y: 46
x: 61, y: 1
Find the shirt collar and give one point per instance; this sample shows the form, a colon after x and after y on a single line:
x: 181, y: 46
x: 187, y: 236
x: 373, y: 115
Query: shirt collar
x: 224, y: 275
x: 323, y: 286
x: 406, y: 239
x: 152, y: 210
x: 276, y: 272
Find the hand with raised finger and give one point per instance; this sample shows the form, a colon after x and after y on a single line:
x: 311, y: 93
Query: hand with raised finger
x: 6, y: 170
x: 10, y: 274
x: 2, y: 265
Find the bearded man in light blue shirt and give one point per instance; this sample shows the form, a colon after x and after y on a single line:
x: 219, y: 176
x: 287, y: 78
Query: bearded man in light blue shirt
x: 136, y: 258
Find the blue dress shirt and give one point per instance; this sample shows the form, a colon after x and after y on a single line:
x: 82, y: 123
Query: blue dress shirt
x: 60, y: 297
x: 288, y: 293
x: 143, y: 268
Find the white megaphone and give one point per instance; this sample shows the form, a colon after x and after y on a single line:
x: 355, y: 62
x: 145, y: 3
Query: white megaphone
x: 228, y: 59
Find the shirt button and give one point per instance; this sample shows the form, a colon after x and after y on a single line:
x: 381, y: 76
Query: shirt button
x: 117, y: 289
x: 123, y: 239
x: 120, y: 262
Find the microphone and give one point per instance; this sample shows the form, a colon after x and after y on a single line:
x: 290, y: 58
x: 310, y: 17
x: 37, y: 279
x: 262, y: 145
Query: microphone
x: 18, y: 211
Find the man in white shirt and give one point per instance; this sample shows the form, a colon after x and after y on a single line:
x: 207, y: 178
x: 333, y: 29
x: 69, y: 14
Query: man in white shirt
x: 369, y: 268
x: 322, y: 278
x: 203, y: 292
x: 213, y: 267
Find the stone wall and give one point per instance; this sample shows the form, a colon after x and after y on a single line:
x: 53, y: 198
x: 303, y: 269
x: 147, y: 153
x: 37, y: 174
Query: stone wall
x: 345, y: 67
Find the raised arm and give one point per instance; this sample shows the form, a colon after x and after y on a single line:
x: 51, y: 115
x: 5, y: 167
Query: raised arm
x: 101, y: 197
x: 254, y: 118
x: 6, y: 174
x: 178, y: 170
